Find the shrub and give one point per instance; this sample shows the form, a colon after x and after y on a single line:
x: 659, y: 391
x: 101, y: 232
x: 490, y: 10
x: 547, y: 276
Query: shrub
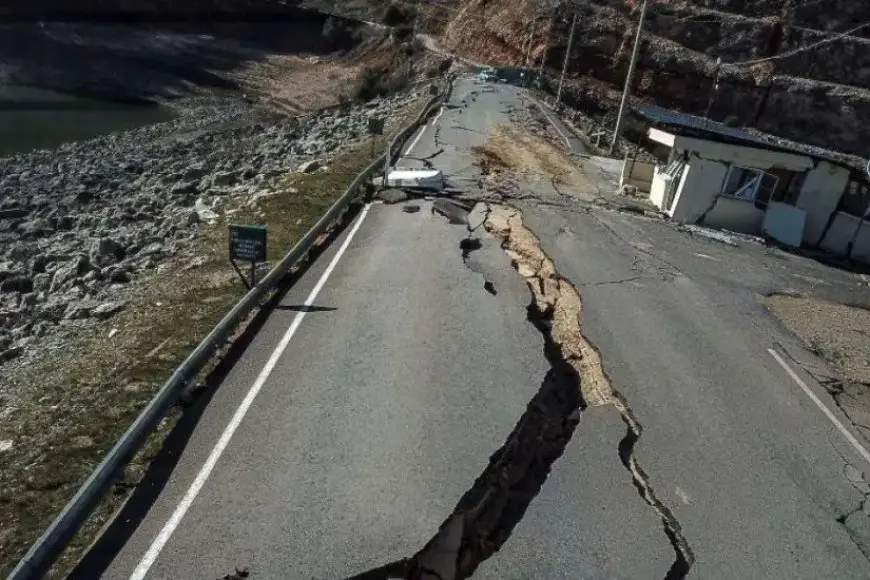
x: 371, y: 83
x: 403, y: 33
x: 394, y: 16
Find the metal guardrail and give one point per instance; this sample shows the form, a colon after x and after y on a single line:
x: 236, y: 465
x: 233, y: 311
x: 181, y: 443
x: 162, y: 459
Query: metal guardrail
x: 45, y: 551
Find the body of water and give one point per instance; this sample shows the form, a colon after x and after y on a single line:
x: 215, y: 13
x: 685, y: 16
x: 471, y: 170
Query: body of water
x: 37, y: 119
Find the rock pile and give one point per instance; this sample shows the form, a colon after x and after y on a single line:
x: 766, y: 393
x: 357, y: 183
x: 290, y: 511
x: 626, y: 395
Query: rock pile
x: 79, y: 222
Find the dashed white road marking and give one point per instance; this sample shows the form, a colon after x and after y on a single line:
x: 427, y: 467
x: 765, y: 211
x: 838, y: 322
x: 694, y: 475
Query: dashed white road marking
x: 828, y: 413
x: 175, y: 519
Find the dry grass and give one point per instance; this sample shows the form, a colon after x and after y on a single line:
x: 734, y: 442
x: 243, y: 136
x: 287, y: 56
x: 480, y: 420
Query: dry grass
x: 76, y: 405
x: 838, y: 333
x: 300, y: 84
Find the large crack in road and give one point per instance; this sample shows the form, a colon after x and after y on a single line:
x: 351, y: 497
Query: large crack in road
x: 487, y: 513
x: 555, y: 294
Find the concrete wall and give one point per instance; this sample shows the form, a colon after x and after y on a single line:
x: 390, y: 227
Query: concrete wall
x: 638, y: 174
x: 659, y: 187
x: 736, y: 215
x: 841, y: 232
x: 700, y: 185
x: 785, y: 223
x: 819, y: 197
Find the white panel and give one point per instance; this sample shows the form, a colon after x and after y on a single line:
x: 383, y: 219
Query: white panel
x: 785, y: 224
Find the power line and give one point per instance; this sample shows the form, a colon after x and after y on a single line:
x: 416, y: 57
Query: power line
x: 799, y: 49
x: 759, y: 17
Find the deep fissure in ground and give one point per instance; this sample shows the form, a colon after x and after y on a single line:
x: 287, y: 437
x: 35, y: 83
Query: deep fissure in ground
x: 487, y: 513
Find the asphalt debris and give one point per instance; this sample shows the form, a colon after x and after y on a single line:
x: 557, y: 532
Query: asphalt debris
x: 392, y: 196
x: 455, y: 212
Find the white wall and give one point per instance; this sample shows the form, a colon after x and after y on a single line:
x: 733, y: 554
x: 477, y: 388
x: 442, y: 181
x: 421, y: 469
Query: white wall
x: 785, y: 223
x: 736, y: 215
x: 659, y: 187
x: 700, y: 185
x: 638, y: 174
x: 819, y: 197
x: 842, y: 231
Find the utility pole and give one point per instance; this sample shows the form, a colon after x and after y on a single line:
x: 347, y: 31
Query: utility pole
x: 712, y: 93
x: 623, y: 105
x: 567, y: 56
x: 416, y: 17
x: 531, y: 41
x: 546, y: 46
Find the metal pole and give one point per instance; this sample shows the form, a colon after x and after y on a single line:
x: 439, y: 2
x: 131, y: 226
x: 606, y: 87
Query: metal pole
x: 387, y: 163
x: 713, y: 93
x: 623, y: 105
x: 565, y: 63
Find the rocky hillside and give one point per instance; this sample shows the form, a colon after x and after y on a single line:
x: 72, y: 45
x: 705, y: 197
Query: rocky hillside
x: 819, y: 96
x: 79, y: 222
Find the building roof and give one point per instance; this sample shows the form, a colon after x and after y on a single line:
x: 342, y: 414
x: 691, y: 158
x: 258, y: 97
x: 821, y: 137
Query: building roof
x: 699, y: 127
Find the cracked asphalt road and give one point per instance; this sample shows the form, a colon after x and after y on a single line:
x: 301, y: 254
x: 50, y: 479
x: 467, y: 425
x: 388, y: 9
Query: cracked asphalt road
x: 760, y: 482
x: 396, y: 400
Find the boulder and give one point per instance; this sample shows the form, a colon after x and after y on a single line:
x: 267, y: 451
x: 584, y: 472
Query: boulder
x: 69, y: 272
x: 9, y: 354
x: 119, y: 276
x: 41, y: 282
x: 152, y: 249
x: 21, y: 284
x: 106, y: 251
x: 182, y: 187
x: 107, y: 310
x: 309, y: 166
x: 77, y: 311
x: 204, y: 212
x: 52, y: 309
x: 195, y: 172
x: 224, y: 178
x: 12, y: 213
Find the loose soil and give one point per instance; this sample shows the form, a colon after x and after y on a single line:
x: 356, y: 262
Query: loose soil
x: 838, y: 333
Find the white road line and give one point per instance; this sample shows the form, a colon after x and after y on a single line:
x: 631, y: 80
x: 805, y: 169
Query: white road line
x: 559, y: 131
x: 438, y: 116
x: 423, y: 130
x: 160, y: 541
x: 828, y: 413
x: 416, y: 139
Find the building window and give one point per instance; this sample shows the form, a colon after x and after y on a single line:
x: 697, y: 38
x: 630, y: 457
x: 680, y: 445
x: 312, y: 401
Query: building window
x: 856, y: 199
x: 749, y: 184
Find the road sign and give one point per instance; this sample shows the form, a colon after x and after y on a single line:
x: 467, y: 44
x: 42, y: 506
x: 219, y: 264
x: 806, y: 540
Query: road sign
x: 376, y: 126
x: 247, y: 244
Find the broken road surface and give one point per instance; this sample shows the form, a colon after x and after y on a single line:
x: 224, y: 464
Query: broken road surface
x: 428, y: 405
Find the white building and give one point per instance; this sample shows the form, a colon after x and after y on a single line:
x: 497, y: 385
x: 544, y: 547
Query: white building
x: 725, y: 178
